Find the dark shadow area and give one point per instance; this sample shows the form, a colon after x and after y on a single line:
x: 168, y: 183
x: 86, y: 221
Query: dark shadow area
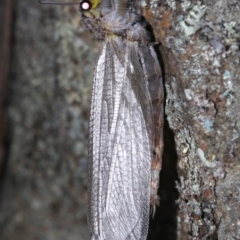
x: 164, y: 225
x: 8, y: 17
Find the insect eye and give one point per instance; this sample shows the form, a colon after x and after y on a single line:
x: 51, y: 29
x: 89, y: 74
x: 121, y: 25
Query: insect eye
x: 85, y: 5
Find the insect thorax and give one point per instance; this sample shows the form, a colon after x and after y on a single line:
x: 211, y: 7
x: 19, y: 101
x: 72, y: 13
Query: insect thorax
x: 110, y: 23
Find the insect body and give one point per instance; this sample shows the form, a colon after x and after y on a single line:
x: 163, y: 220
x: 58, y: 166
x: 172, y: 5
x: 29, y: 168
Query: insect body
x: 126, y: 122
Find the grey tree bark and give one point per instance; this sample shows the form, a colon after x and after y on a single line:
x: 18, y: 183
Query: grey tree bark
x: 201, y: 50
x: 53, y: 57
x: 44, y: 194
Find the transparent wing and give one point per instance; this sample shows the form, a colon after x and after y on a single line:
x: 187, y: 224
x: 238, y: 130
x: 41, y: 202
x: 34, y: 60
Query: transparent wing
x: 152, y: 71
x: 120, y: 146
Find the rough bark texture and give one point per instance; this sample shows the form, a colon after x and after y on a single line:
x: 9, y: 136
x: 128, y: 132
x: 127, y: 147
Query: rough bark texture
x: 44, y: 190
x: 200, y: 46
x: 44, y: 195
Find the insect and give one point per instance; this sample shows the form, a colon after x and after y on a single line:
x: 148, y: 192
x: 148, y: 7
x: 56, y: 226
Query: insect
x: 126, y: 122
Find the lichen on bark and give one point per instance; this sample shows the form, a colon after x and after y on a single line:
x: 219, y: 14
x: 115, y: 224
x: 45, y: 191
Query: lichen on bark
x: 44, y: 195
x: 200, y: 45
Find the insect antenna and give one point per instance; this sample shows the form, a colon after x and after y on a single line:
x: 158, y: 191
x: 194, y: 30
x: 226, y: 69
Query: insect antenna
x: 57, y: 3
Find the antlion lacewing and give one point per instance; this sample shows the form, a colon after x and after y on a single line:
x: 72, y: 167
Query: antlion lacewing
x: 126, y: 121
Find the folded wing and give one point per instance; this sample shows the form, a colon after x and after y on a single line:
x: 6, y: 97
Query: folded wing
x: 120, y: 146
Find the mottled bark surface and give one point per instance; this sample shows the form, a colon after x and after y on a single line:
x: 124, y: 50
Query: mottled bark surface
x: 53, y: 57
x: 44, y: 195
x: 200, y: 46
